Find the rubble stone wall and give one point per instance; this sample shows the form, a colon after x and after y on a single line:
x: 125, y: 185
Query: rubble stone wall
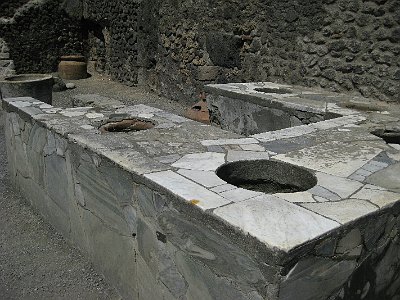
x: 38, y: 34
x: 337, y: 45
x: 6, y: 64
x: 176, y: 47
x: 9, y: 7
x: 112, y: 33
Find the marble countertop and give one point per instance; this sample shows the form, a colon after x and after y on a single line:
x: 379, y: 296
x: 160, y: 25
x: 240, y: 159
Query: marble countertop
x: 357, y: 172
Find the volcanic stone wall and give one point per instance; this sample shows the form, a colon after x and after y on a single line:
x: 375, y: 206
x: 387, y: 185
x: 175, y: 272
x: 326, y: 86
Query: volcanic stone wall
x: 8, y: 7
x: 338, y: 45
x: 39, y: 33
x: 176, y: 47
x: 111, y: 37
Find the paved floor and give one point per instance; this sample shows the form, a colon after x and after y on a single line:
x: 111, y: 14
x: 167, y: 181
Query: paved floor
x: 35, y: 261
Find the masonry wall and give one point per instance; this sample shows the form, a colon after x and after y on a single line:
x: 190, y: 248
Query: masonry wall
x: 182, y: 45
x: 111, y: 31
x: 176, y: 47
x: 6, y: 64
x: 39, y: 33
x: 337, y: 45
x: 9, y: 7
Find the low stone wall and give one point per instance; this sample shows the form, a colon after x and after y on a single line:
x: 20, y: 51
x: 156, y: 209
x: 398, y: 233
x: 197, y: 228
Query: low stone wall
x: 156, y: 234
x: 251, y: 108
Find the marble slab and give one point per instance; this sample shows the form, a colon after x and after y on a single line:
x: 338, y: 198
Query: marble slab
x: 335, y: 158
x: 187, y: 189
x: 207, y: 161
x: 275, y: 222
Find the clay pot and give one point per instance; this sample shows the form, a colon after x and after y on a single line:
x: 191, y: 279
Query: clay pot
x: 38, y: 86
x: 72, y: 67
x: 199, y: 112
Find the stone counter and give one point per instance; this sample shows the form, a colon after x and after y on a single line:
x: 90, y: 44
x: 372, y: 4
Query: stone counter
x: 149, y: 211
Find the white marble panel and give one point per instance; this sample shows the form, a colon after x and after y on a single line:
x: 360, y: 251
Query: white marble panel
x: 342, y: 211
x: 252, y: 147
x: 299, y: 197
x: 239, y: 194
x: 284, y: 133
x: 220, y: 142
x: 188, y: 190
x: 237, y: 155
x: 206, y: 178
x: 335, y: 158
x: 206, y: 161
x: 275, y: 222
x: 377, y: 195
x: 341, y: 186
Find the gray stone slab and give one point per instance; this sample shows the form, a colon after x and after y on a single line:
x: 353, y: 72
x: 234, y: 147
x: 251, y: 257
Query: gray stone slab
x: 205, y: 178
x: 315, y: 278
x: 188, y: 190
x: 208, y: 161
x: 324, y: 193
x: 388, y: 178
x: 288, y: 224
x: 342, y: 211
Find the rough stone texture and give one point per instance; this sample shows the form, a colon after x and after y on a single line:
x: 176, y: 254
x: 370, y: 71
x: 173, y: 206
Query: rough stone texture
x: 111, y: 33
x: 251, y: 108
x: 9, y: 7
x: 176, y: 47
x: 337, y: 45
x: 45, y: 32
x: 6, y: 64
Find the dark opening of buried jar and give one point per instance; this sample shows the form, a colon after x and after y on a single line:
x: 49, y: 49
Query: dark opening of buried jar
x: 127, y: 125
x: 267, y: 176
x: 390, y: 136
x: 274, y: 90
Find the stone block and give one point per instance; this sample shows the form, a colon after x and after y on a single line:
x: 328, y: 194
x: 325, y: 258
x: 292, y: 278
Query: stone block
x: 99, y: 197
x: 56, y: 181
x: 224, y: 49
x: 113, y: 254
x: 309, y: 275
x: 207, y: 73
x: 4, y: 55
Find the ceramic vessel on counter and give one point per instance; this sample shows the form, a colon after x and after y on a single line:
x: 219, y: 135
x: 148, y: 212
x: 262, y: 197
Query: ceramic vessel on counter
x: 38, y: 86
x: 72, y: 67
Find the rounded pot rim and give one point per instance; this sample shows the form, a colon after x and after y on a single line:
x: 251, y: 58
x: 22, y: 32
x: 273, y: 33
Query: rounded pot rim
x: 40, y: 77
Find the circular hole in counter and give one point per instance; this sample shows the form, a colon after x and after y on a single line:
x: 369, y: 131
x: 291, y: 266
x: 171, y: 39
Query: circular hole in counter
x: 273, y: 90
x: 127, y: 125
x: 389, y: 136
x: 267, y: 176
